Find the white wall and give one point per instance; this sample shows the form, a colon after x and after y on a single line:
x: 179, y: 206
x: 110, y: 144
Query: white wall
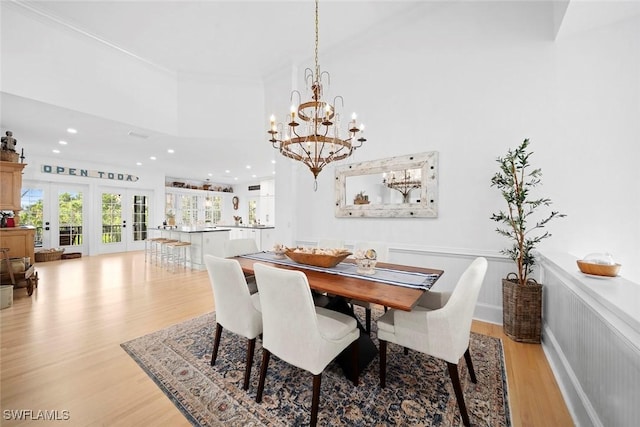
x: 471, y: 81
x: 51, y: 63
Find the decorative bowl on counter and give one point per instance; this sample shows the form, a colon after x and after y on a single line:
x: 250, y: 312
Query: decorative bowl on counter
x: 320, y: 258
x: 610, y: 270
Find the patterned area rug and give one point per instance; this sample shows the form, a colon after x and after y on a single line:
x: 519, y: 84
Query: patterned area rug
x: 418, y: 391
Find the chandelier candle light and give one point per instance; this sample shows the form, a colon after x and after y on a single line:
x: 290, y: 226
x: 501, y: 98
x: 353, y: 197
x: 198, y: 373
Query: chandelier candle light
x: 318, y: 141
x: 403, y: 183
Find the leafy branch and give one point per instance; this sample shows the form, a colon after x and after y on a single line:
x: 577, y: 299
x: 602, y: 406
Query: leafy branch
x: 515, y: 181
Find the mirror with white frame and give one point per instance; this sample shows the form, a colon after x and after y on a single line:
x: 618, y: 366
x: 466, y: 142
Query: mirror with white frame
x: 403, y: 186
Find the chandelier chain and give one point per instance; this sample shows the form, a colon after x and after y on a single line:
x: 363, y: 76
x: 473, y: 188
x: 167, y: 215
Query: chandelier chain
x: 316, y: 46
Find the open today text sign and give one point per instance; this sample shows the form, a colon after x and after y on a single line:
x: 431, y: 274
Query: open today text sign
x: 63, y: 170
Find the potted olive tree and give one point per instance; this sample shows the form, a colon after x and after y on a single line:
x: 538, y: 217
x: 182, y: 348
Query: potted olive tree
x: 521, y: 294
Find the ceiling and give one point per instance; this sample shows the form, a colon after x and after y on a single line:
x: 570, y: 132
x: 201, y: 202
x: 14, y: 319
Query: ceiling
x: 218, y: 40
x: 252, y: 39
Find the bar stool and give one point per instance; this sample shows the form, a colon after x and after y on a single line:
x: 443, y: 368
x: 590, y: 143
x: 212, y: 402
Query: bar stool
x: 151, y: 246
x: 163, y: 251
x: 177, y: 254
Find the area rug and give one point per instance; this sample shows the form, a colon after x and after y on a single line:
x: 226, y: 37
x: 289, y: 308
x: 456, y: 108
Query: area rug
x: 418, y: 391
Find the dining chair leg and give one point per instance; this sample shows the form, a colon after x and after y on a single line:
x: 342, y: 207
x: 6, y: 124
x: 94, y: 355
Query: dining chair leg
x: 355, y: 356
x: 367, y: 313
x: 472, y: 372
x: 216, y: 343
x: 383, y: 363
x: 406, y: 351
x: 263, y: 373
x: 315, y: 400
x: 251, y: 345
x: 457, y: 388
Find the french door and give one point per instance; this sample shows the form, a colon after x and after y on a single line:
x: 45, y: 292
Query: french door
x: 59, y: 214
x: 124, y: 219
x: 83, y: 219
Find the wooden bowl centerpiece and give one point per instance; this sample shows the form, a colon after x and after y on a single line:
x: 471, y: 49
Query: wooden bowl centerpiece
x: 318, y: 257
x: 609, y: 270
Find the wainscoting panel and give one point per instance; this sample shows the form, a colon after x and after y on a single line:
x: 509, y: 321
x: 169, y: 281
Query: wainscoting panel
x: 595, y: 355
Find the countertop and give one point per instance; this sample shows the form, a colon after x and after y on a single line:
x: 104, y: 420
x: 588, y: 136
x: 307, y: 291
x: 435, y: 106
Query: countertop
x: 203, y: 229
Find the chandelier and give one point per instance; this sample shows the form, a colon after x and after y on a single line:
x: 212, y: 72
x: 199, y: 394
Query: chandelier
x: 312, y: 135
x: 407, y: 180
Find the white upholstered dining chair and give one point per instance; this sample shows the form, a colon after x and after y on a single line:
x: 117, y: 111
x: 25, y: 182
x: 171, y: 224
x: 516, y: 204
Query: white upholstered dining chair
x: 236, y: 309
x: 298, y: 332
x: 237, y: 247
x: 440, y: 326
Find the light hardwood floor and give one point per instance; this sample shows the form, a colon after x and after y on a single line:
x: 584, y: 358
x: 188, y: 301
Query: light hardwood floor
x: 61, y: 346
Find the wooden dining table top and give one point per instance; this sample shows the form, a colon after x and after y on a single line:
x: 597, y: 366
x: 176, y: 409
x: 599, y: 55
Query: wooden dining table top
x: 392, y: 296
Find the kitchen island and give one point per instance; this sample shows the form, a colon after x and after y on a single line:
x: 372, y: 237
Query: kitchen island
x: 264, y: 235
x: 211, y: 240
x: 204, y: 240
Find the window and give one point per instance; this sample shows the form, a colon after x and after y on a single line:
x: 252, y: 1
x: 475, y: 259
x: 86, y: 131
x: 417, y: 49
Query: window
x: 140, y: 218
x: 253, y: 211
x: 70, y: 218
x: 188, y: 214
x: 32, y: 211
x: 212, y: 209
x: 111, y: 218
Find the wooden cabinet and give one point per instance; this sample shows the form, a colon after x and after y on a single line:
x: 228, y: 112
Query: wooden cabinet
x: 10, y: 185
x: 19, y: 241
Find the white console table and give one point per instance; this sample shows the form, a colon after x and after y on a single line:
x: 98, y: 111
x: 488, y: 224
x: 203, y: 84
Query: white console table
x: 591, y: 335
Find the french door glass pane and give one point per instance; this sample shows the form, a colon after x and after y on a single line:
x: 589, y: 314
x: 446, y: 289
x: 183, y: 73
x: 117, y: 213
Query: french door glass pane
x: 189, y: 210
x: 32, y: 203
x: 253, y: 208
x: 140, y: 218
x: 70, y: 218
x: 212, y: 209
x: 111, y: 218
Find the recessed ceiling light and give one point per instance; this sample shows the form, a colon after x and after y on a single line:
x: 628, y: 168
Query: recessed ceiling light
x: 253, y: 176
x: 235, y: 178
x: 56, y: 151
x: 248, y: 166
x: 139, y: 163
x: 274, y: 172
x: 152, y: 157
x: 72, y: 130
x: 273, y: 162
x: 227, y: 171
x: 62, y: 142
x: 210, y: 174
x: 170, y: 151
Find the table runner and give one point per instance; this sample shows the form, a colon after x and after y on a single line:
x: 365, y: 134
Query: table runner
x: 389, y: 276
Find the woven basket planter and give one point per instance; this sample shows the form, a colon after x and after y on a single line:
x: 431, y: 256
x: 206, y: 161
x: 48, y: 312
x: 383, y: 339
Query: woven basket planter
x: 522, y: 311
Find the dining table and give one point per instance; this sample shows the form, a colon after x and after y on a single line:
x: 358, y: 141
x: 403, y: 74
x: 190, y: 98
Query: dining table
x: 363, y: 287
x: 391, y: 286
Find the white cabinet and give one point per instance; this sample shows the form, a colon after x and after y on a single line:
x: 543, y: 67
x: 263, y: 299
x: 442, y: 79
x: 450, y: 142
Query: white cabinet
x: 202, y: 243
x: 264, y: 237
x: 266, y: 207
